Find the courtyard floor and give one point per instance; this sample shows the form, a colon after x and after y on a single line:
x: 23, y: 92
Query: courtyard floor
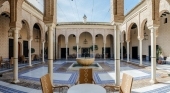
x: 30, y: 76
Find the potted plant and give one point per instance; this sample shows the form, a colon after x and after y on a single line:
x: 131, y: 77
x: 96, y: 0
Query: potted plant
x: 75, y: 48
x: 95, y: 47
x: 32, y: 50
x: 158, y: 53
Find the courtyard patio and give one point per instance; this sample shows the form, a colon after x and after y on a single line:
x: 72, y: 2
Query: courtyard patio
x: 30, y: 77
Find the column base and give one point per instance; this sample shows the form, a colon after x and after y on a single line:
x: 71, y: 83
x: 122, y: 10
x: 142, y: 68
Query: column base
x: 30, y: 65
x: 153, y: 81
x: 140, y: 64
x: 43, y: 62
x: 15, y: 81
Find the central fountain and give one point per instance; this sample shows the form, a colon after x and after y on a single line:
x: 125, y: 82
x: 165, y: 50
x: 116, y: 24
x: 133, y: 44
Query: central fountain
x: 85, y: 61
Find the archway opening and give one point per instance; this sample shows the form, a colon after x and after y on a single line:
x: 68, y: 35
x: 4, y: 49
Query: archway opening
x: 109, y: 49
x: 99, y: 42
x: 134, y: 42
x: 85, y: 41
x: 62, y: 47
x: 36, y: 42
x: 72, y: 46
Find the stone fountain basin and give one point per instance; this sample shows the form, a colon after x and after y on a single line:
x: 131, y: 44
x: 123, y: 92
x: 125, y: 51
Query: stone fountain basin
x: 85, y: 61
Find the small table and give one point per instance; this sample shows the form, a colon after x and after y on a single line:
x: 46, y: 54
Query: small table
x: 86, y: 88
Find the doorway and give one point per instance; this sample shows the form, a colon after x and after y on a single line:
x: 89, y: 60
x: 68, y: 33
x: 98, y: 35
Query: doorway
x: 135, y: 52
x: 63, y: 52
x: 107, y: 52
x: 85, y: 52
x: 25, y: 48
x: 11, y: 48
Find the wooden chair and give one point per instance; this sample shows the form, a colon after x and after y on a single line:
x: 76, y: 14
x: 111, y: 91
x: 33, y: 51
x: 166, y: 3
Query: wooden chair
x: 24, y: 59
x: 73, y: 55
x: 106, y: 55
x: 46, y: 85
x: 126, y: 85
x: 32, y: 57
x: 2, y: 64
x: 97, y: 55
x: 85, y: 76
x: 37, y: 57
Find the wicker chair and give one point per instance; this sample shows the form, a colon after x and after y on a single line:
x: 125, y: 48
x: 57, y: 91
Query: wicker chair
x: 97, y: 55
x: 2, y: 64
x: 47, y: 86
x: 32, y: 57
x: 73, y: 55
x: 24, y: 59
x: 85, y: 76
x: 126, y: 85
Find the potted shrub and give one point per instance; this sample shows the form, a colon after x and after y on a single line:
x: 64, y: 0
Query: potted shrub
x: 95, y: 47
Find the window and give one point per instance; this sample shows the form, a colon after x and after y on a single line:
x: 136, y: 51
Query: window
x: 166, y: 20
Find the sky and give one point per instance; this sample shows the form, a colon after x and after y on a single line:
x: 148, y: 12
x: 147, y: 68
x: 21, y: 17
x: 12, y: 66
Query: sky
x: 74, y: 10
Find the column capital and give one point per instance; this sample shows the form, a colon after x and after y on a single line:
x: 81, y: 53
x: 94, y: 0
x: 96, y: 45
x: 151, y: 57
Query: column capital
x: 30, y: 39
x: 43, y: 41
x: 140, y: 38
x: 117, y: 27
x: 15, y: 29
x: 153, y: 27
x: 127, y: 41
x: 51, y: 25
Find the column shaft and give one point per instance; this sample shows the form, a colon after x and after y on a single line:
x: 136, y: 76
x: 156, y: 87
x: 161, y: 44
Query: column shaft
x: 93, y: 50
x: 43, y: 52
x: 104, y: 51
x: 127, y: 51
x: 50, y: 52
x: 153, y: 55
x: 66, y: 50
x: 29, y: 46
x: 122, y: 50
x: 77, y: 50
x: 140, y: 46
x: 117, y: 55
x: 15, y: 80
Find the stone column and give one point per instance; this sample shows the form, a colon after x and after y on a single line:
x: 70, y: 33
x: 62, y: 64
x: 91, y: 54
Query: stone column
x: 29, y: 46
x: 15, y: 32
x: 104, y: 52
x: 140, y: 46
x: 77, y: 50
x: 122, y: 50
x: 43, y: 52
x: 153, y: 54
x: 93, y: 50
x: 50, y: 51
x: 66, y: 51
x: 128, y: 51
x: 117, y: 54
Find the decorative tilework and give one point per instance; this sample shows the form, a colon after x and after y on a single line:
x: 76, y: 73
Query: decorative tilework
x: 164, y: 89
x: 99, y: 81
x: 71, y: 80
x: 4, y: 89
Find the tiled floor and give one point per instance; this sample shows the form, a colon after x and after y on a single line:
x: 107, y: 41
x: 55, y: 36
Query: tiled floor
x: 29, y: 77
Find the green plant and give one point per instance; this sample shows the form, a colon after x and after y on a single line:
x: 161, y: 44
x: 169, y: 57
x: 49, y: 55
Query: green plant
x: 32, y: 50
x: 75, y: 48
x: 158, y: 52
x: 95, y: 47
